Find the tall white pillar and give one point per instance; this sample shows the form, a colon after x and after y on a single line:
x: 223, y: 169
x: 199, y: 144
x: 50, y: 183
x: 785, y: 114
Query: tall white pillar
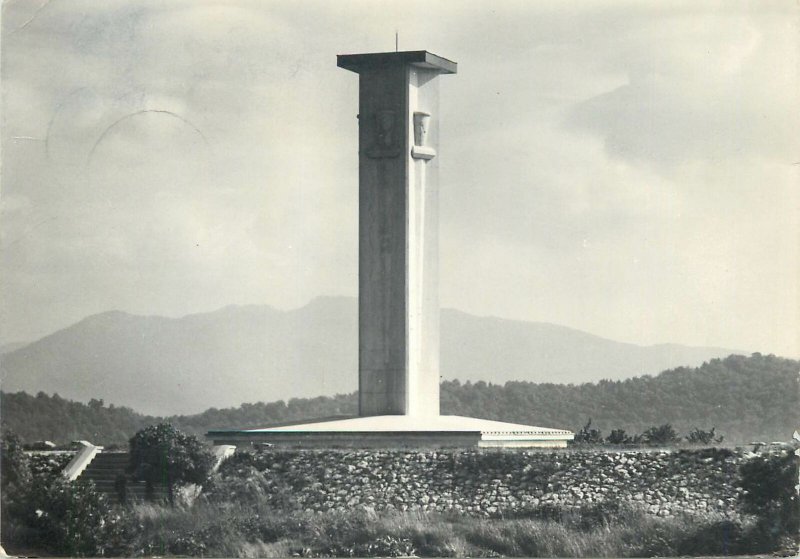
x: 398, y: 230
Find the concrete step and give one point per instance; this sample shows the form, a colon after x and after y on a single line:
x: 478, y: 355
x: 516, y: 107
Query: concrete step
x: 102, y: 474
x: 107, y: 466
x: 104, y: 471
x: 134, y: 492
x: 111, y: 459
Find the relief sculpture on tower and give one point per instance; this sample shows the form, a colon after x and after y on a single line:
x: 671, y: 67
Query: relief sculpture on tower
x: 385, y: 135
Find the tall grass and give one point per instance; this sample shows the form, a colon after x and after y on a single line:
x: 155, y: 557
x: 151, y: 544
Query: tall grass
x: 209, y: 529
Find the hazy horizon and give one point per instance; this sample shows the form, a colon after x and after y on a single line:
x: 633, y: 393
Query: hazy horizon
x: 625, y: 169
x: 354, y: 298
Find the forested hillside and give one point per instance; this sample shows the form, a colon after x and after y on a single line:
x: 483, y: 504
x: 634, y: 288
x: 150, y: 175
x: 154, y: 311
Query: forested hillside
x: 745, y: 398
x: 53, y: 418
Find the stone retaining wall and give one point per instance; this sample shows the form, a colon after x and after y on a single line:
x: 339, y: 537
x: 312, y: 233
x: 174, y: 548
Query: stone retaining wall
x: 489, y: 483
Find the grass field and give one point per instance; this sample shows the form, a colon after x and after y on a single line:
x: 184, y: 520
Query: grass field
x: 230, y: 530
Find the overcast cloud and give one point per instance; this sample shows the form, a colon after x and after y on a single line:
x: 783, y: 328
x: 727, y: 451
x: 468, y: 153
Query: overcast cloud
x: 629, y: 169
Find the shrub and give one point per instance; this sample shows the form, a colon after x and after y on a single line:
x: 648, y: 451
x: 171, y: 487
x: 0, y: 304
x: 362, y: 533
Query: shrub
x: 15, y: 480
x: 163, y: 454
x: 769, y: 493
x: 722, y: 537
x: 15, y: 474
x: 699, y: 436
x: 382, y: 546
x: 48, y: 465
x: 661, y: 435
x: 588, y: 435
x: 618, y: 436
x: 14, y: 463
x: 63, y: 517
x: 73, y: 517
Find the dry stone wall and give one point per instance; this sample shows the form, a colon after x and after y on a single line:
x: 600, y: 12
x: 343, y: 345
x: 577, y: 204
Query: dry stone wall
x: 489, y: 483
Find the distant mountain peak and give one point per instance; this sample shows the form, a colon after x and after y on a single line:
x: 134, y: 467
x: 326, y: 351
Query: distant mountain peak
x: 245, y: 353
x: 109, y: 315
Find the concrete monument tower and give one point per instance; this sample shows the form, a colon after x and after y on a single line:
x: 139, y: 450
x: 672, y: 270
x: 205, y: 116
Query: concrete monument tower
x: 398, y: 123
x: 398, y: 377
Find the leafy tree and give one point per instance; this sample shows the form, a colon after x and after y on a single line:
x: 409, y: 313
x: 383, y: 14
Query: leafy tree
x: 661, y: 435
x: 16, y: 476
x: 163, y: 454
x: 45, y: 510
x: 15, y: 471
x: 589, y: 435
x: 95, y: 404
x: 618, y: 436
x: 68, y: 517
x: 699, y: 436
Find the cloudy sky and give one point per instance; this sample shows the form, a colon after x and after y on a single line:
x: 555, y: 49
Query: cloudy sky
x: 629, y: 169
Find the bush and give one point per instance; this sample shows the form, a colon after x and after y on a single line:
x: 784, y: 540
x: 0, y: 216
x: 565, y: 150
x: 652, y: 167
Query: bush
x: 588, y: 435
x: 380, y: 546
x: 15, y: 470
x: 725, y: 537
x: 699, y: 436
x: 70, y: 517
x: 54, y: 514
x: 162, y: 454
x: 769, y: 493
x: 618, y: 436
x: 661, y: 435
x: 15, y: 474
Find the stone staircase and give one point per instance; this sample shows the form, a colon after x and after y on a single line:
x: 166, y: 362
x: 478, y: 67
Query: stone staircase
x: 108, y: 467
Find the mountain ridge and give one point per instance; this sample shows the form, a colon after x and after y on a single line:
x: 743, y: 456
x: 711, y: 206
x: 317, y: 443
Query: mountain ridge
x: 164, y: 366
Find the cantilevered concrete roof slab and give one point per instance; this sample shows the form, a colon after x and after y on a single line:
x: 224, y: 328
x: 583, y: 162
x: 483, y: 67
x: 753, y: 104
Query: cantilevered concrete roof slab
x: 417, y: 423
x: 399, y: 431
x: 421, y: 58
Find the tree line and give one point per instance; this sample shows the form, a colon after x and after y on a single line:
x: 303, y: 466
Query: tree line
x: 660, y: 435
x: 744, y: 397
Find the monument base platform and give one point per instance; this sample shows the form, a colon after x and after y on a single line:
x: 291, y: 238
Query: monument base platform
x: 398, y: 431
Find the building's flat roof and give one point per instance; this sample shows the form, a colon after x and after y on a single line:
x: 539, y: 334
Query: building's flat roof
x: 422, y: 58
x: 408, y: 423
